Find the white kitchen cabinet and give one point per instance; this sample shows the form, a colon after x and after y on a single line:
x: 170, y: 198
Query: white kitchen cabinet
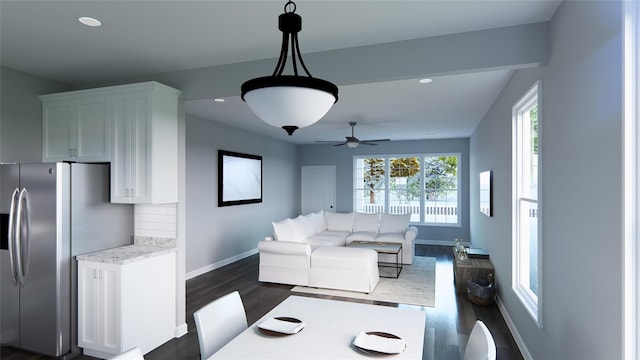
x: 98, y: 293
x: 125, y: 305
x: 133, y: 126
x: 144, y: 149
x: 75, y: 128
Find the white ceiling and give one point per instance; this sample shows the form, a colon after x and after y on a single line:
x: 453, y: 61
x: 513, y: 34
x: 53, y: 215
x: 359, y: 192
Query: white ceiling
x: 145, y: 37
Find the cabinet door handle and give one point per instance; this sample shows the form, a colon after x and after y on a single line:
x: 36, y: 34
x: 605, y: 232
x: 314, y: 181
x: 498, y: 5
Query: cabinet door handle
x: 97, y: 274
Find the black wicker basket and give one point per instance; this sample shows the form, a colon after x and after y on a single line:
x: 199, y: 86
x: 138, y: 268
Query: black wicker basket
x: 481, y: 292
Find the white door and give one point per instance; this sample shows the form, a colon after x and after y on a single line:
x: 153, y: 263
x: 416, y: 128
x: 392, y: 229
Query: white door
x: 318, y: 186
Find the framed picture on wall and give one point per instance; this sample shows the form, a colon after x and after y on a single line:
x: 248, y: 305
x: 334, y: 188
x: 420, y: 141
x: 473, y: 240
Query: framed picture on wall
x: 239, y: 178
x: 485, y: 192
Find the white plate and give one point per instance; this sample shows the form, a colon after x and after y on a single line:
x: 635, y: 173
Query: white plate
x: 379, y: 343
x: 281, y: 326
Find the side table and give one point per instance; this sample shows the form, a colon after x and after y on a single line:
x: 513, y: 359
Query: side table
x: 473, y: 268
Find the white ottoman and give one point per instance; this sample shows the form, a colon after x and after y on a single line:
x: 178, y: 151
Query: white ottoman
x: 344, y: 268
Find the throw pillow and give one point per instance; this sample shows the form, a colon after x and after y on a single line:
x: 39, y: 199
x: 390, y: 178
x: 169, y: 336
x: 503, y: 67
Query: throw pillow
x: 394, y: 223
x: 298, y: 229
x: 366, y: 222
x: 319, y: 224
x: 309, y: 223
x: 282, y: 230
x: 339, y: 221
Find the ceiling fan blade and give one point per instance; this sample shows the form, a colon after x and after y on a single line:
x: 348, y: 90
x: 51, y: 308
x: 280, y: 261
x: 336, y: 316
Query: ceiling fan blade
x: 352, y: 140
x: 364, y: 141
x: 329, y: 142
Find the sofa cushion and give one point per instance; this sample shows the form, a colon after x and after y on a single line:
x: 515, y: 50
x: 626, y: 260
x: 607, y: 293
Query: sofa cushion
x: 344, y: 258
x: 336, y: 238
x: 366, y: 222
x: 362, y: 236
x: 394, y: 223
x: 391, y: 237
x: 282, y: 230
x: 339, y: 221
x: 318, y: 242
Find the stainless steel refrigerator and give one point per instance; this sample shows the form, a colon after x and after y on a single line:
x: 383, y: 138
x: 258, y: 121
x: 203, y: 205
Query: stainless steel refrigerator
x: 49, y: 213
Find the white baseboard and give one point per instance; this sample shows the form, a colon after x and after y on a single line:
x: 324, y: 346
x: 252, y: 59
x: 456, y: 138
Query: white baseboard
x: 514, y: 331
x: 180, y: 330
x: 219, y: 264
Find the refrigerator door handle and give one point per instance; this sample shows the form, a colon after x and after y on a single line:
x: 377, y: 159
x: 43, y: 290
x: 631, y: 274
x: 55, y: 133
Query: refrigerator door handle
x: 24, y: 224
x: 11, y: 235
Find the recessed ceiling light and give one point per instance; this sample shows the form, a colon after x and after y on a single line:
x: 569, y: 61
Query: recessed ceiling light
x: 89, y: 21
x: 219, y: 100
x: 425, y: 81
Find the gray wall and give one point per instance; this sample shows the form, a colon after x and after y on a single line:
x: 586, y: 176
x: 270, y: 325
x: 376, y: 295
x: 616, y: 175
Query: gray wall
x: 581, y: 199
x: 21, y: 114
x: 342, y: 158
x: 216, y: 234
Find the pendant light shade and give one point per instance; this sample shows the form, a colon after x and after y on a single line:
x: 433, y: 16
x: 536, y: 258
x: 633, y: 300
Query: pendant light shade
x: 289, y: 101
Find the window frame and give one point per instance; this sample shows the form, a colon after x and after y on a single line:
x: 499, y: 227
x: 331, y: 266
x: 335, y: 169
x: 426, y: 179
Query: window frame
x: 532, y: 302
x: 631, y: 179
x: 387, y: 188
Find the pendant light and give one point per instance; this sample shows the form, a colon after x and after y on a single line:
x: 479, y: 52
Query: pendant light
x: 289, y: 101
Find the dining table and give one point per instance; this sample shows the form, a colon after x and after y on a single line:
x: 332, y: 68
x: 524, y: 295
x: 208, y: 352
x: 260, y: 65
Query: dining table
x: 329, y: 328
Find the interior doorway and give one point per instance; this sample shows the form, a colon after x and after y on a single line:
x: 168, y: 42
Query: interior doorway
x: 318, y: 187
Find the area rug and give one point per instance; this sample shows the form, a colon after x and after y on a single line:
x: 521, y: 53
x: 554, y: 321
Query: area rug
x: 415, y: 286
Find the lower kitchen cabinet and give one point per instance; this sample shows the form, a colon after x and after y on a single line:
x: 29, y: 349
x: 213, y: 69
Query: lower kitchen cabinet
x: 125, y: 305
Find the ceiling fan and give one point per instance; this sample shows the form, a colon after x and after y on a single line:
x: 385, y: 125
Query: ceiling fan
x: 352, y: 141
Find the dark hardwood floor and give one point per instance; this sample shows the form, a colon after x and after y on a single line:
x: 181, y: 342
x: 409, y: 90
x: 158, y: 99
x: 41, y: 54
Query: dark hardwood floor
x: 447, y: 327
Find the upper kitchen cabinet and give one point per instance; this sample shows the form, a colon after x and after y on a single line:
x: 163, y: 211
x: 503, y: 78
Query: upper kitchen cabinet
x: 134, y: 126
x: 75, y: 128
x: 144, y: 146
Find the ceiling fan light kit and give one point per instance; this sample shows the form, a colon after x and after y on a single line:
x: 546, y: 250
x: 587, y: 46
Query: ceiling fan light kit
x: 289, y: 101
x: 352, y: 143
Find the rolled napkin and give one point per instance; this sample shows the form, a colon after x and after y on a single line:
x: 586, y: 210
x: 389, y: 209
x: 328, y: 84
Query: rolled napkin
x: 282, y: 326
x: 382, y: 344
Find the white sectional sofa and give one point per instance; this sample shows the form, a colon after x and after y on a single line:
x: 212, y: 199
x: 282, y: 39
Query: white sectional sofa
x: 332, y: 267
x: 310, y: 250
x: 338, y: 229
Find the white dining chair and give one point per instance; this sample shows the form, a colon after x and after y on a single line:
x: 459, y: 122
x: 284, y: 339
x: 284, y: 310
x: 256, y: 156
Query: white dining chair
x: 218, y: 322
x: 480, y: 345
x: 131, y: 354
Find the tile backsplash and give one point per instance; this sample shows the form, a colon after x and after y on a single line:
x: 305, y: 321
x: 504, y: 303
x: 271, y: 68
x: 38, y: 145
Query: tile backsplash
x: 155, y: 221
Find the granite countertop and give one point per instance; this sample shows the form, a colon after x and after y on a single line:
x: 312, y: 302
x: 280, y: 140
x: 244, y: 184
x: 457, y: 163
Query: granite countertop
x: 126, y: 254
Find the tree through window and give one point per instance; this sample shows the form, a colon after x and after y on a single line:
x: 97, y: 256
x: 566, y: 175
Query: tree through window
x: 424, y: 185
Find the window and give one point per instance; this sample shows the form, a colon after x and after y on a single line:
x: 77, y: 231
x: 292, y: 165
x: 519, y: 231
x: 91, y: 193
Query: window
x: 632, y: 180
x: 526, y: 229
x: 427, y: 186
